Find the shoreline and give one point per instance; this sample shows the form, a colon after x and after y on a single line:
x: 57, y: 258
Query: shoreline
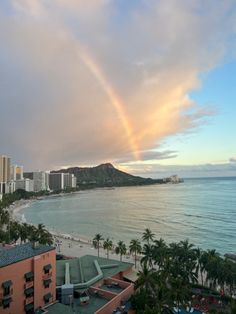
x: 15, y: 208
x: 67, y: 244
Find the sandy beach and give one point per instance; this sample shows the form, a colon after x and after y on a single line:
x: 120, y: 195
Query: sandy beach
x: 15, y: 208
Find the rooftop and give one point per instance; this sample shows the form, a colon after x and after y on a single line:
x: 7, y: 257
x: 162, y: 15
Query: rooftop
x: 21, y: 252
x: 59, y: 308
x: 88, y: 269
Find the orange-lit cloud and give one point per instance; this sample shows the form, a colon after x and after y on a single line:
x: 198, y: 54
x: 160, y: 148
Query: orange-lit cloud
x: 80, y: 83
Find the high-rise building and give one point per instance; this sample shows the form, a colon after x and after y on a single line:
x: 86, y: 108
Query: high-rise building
x: 28, y: 175
x: 74, y: 181
x: 70, y: 180
x: 5, y: 163
x: 40, y: 181
x: 25, y: 184
x: 56, y: 181
x: 16, y: 172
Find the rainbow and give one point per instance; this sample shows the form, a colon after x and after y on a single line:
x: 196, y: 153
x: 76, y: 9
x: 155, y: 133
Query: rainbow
x: 116, y: 102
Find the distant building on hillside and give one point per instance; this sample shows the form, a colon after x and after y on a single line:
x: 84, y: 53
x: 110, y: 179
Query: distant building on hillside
x: 56, y: 181
x: 173, y: 179
x: 27, y: 278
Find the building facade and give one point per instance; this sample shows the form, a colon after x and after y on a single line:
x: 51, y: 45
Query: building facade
x: 5, y: 175
x: 70, y: 181
x: 56, y: 181
x: 16, y: 172
x: 27, y: 278
x: 40, y: 181
x: 25, y: 184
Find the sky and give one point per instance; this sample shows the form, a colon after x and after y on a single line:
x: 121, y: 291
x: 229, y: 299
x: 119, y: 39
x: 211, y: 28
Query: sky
x: 146, y: 85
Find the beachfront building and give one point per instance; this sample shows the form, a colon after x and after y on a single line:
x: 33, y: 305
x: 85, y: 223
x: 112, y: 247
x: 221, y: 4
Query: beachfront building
x: 16, y: 172
x: 5, y: 175
x: 27, y: 278
x: 97, y: 285
x: 70, y: 180
x: 56, y: 181
x: 24, y: 184
x: 40, y: 181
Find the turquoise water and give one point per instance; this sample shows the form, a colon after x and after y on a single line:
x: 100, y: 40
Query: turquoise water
x: 202, y: 210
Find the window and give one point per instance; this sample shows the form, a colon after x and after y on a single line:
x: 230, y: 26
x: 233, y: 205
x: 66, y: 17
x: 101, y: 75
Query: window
x: 29, y: 292
x: 6, y: 287
x: 29, y: 276
x: 47, y: 268
x: 29, y: 308
x: 6, y: 302
x: 47, y: 283
x: 47, y: 297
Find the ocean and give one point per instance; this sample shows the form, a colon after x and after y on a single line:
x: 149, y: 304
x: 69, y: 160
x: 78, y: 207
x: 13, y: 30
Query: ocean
x: 202, y: 210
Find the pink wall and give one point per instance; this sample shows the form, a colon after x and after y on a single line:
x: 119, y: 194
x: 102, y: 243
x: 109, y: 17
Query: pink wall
x: 15, y: 272
x: 39, y: 275
x: 104, y: 293
x: 122, y: 284
x: 116, y: 301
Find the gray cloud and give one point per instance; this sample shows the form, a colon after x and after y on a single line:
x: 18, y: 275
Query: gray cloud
x: 55, y: 111
x: 150, y: 155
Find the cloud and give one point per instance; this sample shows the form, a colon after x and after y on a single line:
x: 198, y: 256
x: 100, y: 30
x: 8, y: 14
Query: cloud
x: 80, y: 86
x: 151, y: 155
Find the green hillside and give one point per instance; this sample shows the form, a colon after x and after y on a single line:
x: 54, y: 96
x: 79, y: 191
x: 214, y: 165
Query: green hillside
x: 106, y: 175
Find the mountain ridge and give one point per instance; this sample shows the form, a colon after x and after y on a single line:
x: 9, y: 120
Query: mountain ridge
x: 106, y: 175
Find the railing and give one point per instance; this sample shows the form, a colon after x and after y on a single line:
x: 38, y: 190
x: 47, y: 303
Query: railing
x: 47, y: 276
x: 29, y: 284
x: 29, y: 300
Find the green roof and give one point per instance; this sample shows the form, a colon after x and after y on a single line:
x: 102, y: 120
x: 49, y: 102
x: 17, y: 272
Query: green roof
x: 86, y: 268
x: 21, y: 252
x: 59, y: 308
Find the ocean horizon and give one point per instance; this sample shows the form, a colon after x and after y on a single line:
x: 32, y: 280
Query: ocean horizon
x: 202, y: 210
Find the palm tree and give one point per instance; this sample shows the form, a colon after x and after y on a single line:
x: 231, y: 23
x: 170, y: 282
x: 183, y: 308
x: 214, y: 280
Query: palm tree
x: 212, y: 259
x: 45, y: 237
x: 121, y: 249
x: 33, y: 234
x: 13, y: 231
x: 135, y: 247
x: 147, y: 252
x: 146, y: 280
x: 4, y: 217
x: 148, y: 236
x: 179, y: 291
x: 159, y: 252
x: 23, y: 232
x: 107, y: 245
x: 96, y: 241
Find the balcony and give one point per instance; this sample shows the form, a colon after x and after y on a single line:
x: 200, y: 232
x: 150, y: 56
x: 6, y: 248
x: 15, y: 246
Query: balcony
x: 47, y: 276
x: 29, y: 284
x: 29, y: 300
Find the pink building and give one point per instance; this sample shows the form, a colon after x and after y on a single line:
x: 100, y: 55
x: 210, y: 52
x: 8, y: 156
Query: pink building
x: 27, y: 278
